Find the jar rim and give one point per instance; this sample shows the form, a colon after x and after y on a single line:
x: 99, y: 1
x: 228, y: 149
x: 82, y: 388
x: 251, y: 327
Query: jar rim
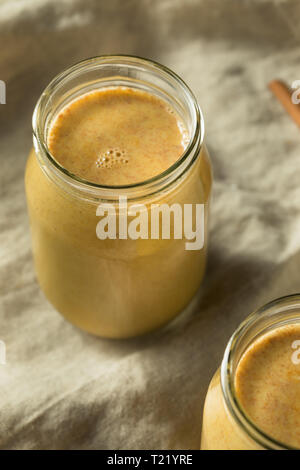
x: 168, y: 175
x: 280, y: 305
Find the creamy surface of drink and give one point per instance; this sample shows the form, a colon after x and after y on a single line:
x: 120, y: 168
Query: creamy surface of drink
x: 267, y: 384
x: 117, y: 136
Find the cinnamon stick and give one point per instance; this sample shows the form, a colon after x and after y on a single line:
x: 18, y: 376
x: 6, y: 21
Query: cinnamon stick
x: 284, y: 94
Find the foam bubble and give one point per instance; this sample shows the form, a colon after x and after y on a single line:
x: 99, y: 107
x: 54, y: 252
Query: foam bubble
x: 170, y: 110
x: 112, y: 158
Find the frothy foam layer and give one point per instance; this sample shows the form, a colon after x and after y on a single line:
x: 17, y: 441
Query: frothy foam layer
x: 117, y: 136
x: 111, y: 158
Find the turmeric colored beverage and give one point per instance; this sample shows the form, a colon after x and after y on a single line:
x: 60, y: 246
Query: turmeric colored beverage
x: 100, y: 134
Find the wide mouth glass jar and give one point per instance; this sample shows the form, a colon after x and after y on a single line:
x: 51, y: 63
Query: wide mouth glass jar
x: 226, y: 423
x: 114, y: 288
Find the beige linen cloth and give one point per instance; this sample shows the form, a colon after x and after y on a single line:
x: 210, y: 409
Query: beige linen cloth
x: 64, y: 389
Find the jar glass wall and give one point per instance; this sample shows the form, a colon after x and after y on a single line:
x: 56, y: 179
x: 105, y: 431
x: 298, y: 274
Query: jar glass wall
x: 114, y: 287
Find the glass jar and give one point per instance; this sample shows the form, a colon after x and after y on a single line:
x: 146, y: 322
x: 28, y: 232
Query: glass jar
x: 114, y: 287
x: 225, y: 424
